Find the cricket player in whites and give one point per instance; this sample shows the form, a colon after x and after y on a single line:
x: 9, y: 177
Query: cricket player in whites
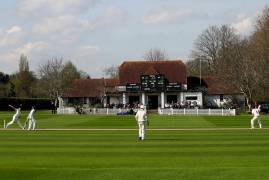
x: 16, y: 117
x: 31, y: 120
x: 256, y: 117
x: 141, y: 118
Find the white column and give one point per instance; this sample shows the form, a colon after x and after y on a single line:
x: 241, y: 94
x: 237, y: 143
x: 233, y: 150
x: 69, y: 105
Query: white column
x: 181, y: 97
x: 162, y: 100
x: 143, y: 99
x: 124, y: 98
x: 105, y: 102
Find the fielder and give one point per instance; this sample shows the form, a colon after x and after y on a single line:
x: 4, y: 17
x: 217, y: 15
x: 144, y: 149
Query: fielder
x: 31, y: 120
x: 16, y: 117
x: 256, y: 117
x: 141, y: 118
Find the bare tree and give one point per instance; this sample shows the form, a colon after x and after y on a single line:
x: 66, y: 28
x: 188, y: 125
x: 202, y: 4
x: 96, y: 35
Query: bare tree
x: 213, y: 46
x: 84, y: 75
x: 156, y: 55
x: 56, y: 77
x: 242, y: 73
x: 259, y: 47
x: 50, y: 77
x: 193, y: 68
x: 228, y: 57
x: 112, y: 71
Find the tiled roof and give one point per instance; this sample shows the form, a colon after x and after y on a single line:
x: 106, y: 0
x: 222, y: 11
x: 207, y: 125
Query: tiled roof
x: 91, y: 87
x: 130, y: 71
x: 218, y: 86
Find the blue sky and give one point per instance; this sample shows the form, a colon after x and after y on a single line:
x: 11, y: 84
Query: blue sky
x: 95, y: 34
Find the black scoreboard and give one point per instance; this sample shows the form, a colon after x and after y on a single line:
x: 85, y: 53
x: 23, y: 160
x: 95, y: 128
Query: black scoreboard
x: 153, y: 83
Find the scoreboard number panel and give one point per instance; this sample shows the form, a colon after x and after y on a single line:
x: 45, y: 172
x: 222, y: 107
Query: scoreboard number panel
x: 144, y: 79
x: 133, y: 87
x: 170, y: 87
x: 152, y: 83
x: 160, y: 82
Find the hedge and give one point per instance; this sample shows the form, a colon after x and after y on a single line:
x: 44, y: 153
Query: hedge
x: 27, y: 103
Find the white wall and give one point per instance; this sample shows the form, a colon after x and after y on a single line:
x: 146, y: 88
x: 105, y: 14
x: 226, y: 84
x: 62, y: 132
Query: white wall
x: 215, y: 99
x: 199, y: 96
x: 114, y: 100
x: 212, y: 100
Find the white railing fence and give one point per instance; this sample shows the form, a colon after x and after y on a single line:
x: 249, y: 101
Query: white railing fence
x: 107, y: 111
x: 101, y: 111
x: 66, y: 110
x: 202, y: 112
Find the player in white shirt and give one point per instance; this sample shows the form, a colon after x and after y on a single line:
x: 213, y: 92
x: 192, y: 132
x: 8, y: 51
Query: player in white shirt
x: 141, y: 118
x: 31, y: 120
x: 256, y: 117
x: 16, y: 117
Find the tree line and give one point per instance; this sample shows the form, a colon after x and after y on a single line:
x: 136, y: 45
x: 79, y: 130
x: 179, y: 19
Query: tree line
x: 50, y: 81
x: 241, y: 62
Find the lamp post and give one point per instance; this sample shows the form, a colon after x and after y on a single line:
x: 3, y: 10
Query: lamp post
x: 200, y: 70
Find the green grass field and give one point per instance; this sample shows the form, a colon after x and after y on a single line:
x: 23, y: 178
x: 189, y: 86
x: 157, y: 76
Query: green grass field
x: 216, y: 153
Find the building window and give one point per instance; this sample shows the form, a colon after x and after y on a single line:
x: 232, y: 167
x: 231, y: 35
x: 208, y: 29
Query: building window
x: 85, y: 101
x: 221, y: 98
x: 133, y: 100
x: 171, y: 98
x: 108, y: 99
x: 191, y: 98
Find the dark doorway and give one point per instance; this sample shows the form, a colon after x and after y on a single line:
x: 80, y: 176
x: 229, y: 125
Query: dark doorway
x: 133, y: 100
x: 153, y: 102
x: 171, y: 99
x: 108, y: 99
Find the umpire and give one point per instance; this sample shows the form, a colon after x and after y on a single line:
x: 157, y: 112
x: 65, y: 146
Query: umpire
x: 141, y: 118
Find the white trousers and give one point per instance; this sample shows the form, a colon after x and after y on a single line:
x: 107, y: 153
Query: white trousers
x: 254, y: 120
x: 142, y: 129
x: 31, y: 124
x: 15, y: 120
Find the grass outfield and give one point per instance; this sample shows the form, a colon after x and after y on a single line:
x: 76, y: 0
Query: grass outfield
x: 108, y: 154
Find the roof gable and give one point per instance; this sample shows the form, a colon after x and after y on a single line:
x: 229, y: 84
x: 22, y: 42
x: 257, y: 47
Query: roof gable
x: 151, y: 71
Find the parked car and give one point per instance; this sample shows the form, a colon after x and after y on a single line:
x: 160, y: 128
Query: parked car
x: 265, y: 108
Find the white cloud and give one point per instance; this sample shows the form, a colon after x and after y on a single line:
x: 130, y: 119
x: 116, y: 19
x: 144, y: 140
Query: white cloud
x: 66, y: 24
x: 14, y: 29
x: 68, y: 28
x: 28, y: 48
x: 166, y: 15
x: 62, y: 29
x: 33, y: 50
x: 110, y: 15
x: 58, y: 24
x: 27, y: 7
x: 11, y: 36
x: 9, y: 62
x: 243, y: 24
x: 89, y: 50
